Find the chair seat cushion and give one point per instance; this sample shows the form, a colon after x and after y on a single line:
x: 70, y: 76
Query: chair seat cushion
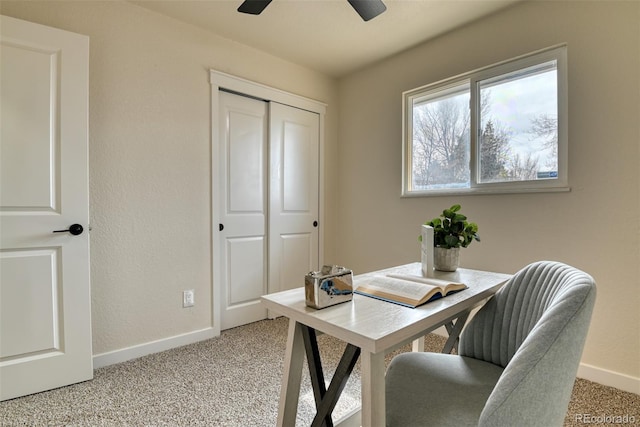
x: 433, y: 389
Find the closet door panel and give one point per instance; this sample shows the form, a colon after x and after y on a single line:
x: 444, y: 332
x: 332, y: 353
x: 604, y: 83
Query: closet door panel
x: 243, y: 190
x: 293, y: 195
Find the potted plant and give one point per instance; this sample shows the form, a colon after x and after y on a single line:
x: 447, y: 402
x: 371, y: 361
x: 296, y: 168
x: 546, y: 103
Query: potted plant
x: 451, y: 231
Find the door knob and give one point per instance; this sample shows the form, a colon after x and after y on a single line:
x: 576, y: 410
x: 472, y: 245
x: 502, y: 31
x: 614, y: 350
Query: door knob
x: 75, y: 229
x: 315, y: 223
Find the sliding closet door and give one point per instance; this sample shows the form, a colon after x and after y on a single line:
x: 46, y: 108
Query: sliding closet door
x: 293, y: 195
x: 243, y: 208
x: 267, y: 191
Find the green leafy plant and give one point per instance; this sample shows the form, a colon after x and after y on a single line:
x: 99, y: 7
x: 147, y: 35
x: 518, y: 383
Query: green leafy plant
x: 451, y: 229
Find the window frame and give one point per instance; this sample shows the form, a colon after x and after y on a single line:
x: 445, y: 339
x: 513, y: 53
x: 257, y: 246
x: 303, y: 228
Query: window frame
x: 556, y: 53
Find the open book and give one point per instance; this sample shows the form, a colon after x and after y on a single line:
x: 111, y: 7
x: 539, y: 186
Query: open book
x: 407, y: 290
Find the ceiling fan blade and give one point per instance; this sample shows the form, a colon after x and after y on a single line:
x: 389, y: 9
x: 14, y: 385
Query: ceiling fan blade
x: 368, y: 9
x: 253, y: 7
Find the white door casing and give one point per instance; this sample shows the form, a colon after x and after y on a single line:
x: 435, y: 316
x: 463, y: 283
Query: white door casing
x: 45, y: 312
x: 292, y: 237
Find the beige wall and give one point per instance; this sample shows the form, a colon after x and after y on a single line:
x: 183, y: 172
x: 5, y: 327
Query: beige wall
x: 150, y: 159
x: 594, y: 227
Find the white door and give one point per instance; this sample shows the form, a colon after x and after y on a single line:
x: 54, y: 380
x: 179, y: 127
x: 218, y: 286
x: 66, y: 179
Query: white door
x: 268, y: 200
x: 243, y: 205
x: 293, y: 196
x: 45, y: 312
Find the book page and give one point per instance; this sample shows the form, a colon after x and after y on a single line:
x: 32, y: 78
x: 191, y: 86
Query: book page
x: 402, y: 288
x: 426, y: 280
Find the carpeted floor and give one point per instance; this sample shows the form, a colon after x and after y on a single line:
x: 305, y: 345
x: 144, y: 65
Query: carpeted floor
x: 234, y: 380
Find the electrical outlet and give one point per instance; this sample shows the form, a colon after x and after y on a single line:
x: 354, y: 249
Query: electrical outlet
x: 188, y: 298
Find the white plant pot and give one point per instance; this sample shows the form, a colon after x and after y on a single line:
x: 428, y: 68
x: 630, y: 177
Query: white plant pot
x: 446, y: 259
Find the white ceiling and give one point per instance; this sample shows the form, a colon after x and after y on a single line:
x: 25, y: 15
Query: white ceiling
x: 328, y: 35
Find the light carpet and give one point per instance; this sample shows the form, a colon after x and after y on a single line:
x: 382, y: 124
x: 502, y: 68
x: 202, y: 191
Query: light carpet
x: 233, y: 380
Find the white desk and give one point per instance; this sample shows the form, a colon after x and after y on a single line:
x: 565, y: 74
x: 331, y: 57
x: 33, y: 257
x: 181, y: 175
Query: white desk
x: 372, y: 328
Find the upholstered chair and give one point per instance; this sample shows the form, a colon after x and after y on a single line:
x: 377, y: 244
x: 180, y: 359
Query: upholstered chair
x: 516, y: 363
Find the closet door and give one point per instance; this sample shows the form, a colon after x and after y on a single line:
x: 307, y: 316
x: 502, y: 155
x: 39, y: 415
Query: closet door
x: 243, y: 204
x: 293, y: 195
x: 267, y: 192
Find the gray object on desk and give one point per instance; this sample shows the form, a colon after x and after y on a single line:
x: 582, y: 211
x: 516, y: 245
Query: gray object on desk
x: 331, y: 285
x: 518, y: 358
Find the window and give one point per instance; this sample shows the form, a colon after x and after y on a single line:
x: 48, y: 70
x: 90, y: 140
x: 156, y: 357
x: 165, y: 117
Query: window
x: 498, y: 129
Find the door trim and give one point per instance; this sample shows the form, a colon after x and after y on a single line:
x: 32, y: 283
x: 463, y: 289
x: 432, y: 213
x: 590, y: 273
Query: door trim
x: 223, y: 81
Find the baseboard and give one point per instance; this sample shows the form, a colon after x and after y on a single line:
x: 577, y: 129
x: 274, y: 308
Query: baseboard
x: 136, y: 351
x: 609, y: 378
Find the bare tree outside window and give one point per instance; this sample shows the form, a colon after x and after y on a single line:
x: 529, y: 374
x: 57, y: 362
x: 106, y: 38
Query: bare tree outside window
x: 544, y: 128
x: 441, y: 142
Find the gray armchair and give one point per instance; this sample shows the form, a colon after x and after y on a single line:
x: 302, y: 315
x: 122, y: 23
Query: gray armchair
x: 517, y: 361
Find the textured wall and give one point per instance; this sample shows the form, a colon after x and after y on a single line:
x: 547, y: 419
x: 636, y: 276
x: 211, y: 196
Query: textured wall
x: 150, y: 159
x: 594, y: 227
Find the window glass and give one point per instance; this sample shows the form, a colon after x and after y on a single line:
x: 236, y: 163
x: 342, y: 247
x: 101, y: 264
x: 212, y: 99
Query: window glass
x: 502, y: 128
x: 518, y: 135
x: 440, y: 144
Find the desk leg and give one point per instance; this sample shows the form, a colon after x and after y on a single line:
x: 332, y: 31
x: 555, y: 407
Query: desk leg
x: 291, y: 377
x: 454, y: 331
x: 326, y: 399
x: 418, y: 345
x: 315, y: 369
x: 373, y: 389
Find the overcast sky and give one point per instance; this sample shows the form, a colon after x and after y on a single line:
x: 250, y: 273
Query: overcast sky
x: 516, y: 103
